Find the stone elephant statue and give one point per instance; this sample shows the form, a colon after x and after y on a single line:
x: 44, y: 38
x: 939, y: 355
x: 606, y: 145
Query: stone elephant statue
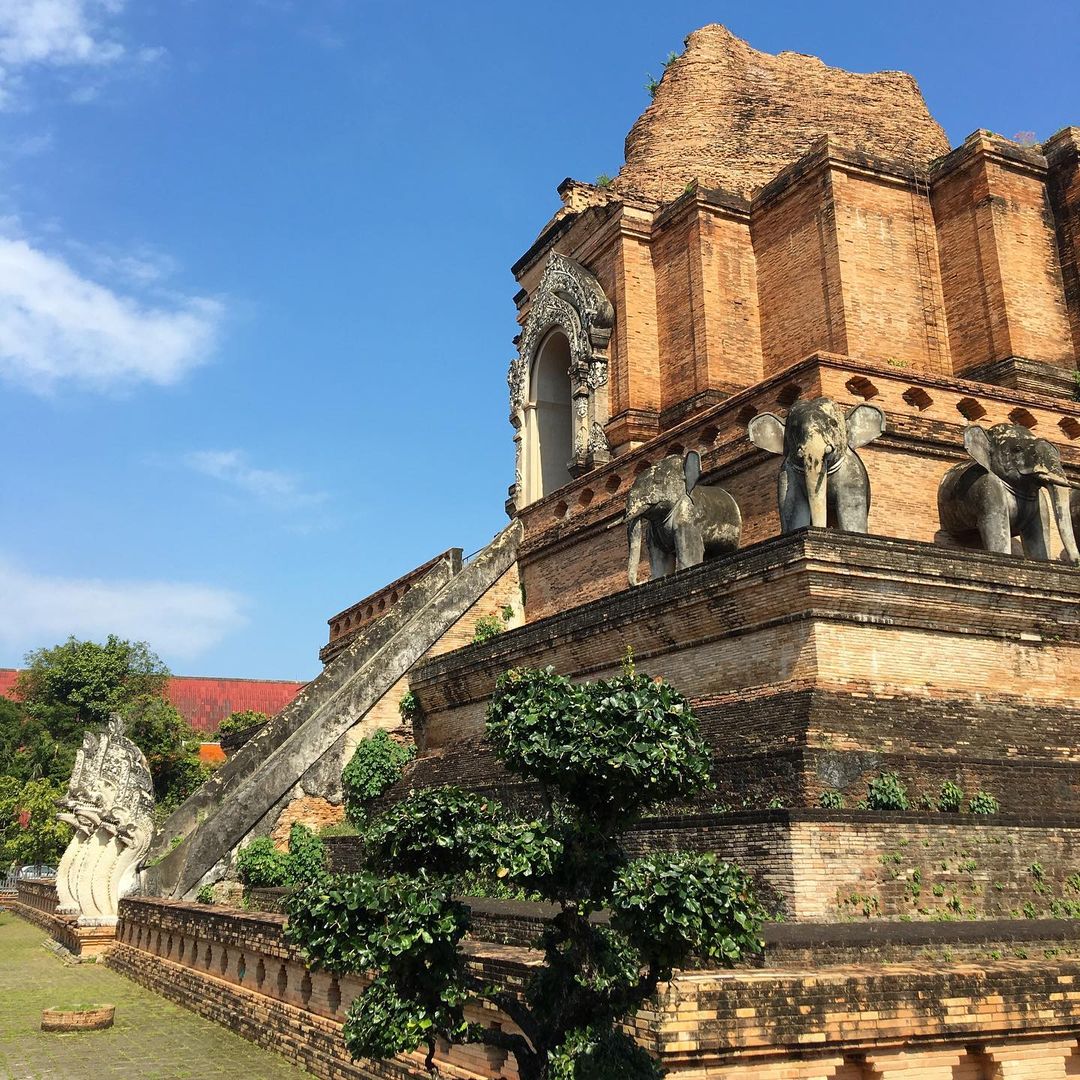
x: 822, y: 480
x: 999, y: 493
x: 683, y: 523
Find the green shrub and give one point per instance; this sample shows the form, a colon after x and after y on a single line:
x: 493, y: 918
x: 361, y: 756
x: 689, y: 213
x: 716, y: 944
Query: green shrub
x: 831, y: 800
x: 408, y: 706
x: 307, y: 856
x: 241, y: 721
x: 951, y: 797
x: 205, y: 895
x: 487, y: 627
x: 982, y: 802
x: 886, y: 792
x: 375, y: 765
x: 261, y: 866
x: 342, y: 828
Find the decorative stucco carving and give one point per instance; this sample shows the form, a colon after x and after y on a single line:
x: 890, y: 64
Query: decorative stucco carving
x: 110, y: 804
x: 517, y: 378
x: 570, y: 298
x: 598, y: 442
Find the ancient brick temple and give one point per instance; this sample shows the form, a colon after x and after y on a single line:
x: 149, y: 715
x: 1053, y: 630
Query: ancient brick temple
x: 781, y: 231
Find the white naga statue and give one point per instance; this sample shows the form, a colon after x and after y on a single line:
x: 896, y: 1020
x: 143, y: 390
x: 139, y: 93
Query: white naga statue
x: 110, y: 803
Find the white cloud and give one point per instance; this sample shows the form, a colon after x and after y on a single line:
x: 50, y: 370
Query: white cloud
x: 57, y: 326
x: 179, y: 620
x: 61, y: 34
x: 57, y: 32
x: 274, y: 487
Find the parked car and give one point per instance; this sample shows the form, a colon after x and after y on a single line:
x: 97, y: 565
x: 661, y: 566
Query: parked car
x: 37, y: 870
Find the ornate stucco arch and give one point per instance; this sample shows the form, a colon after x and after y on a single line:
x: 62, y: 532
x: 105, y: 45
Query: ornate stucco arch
x: 568, y: 299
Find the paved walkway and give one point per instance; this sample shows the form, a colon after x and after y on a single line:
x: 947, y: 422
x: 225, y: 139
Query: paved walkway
x: 151, y: 1039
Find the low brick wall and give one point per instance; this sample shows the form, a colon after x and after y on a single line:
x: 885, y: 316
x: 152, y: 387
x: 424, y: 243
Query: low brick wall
x: 798, y: 1023
x: 37, y: 902
x: 236, y: 969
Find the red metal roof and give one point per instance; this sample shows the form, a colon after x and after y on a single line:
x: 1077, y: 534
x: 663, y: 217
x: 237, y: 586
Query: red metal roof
x: 205, y: 702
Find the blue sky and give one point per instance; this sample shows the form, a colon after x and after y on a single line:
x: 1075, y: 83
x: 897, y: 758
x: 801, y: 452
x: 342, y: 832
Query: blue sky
x: 255, y: 300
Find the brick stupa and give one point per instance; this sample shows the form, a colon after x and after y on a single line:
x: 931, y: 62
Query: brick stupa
x: 781, y: 231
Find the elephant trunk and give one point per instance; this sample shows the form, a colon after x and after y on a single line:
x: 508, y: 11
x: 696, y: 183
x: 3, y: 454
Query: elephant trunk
x: 1060, y: 497
x: 634, y: 528
x: 816, y: 479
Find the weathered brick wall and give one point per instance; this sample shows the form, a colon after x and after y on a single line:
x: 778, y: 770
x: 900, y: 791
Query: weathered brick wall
x: 889, y: 270
x: 834, y: 866
x: 727, y: 316
x: 1063, y: 185
x: 834, y: 609
x: 504, y: 593
x: 794, y: 234
x: 963, y: 269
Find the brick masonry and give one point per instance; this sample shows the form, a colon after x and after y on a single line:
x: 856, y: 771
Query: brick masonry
x: 837, y: 1023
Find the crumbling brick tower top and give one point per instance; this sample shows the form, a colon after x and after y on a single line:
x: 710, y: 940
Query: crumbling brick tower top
x: 731, y: 117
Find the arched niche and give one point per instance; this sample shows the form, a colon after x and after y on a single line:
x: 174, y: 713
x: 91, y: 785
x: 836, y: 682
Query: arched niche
x: 550, y: 417
x: 558, y: 381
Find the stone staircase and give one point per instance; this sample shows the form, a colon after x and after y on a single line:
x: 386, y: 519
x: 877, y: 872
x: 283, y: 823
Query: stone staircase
x: 233, y: 802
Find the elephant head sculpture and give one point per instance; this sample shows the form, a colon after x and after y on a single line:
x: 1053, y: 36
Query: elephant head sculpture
x: 683, y: 523
x: 998, y: 494
x: 822, y: 480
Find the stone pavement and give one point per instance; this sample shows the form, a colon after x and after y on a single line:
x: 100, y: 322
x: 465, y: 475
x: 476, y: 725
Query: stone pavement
x: 152, y: 1039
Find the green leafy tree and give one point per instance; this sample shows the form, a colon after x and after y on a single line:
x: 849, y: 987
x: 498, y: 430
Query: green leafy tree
x: 29, y: 831
x: 28, y: 751
x: 87, y: 681
x: 171, y: 747
x: 78, y: 684
x: 603, y: 754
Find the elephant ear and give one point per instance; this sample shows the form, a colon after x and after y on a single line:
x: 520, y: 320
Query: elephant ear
x: 864, y: 424
x: 691, y: 469
x: 766, y: 430
x: 977, y: 444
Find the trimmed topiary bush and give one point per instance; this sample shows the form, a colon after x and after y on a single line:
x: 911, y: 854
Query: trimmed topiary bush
x: 604, y: 754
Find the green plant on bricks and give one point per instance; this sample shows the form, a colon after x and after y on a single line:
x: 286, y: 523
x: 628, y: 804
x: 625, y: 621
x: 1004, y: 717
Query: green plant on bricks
x: 260, y: 865
x: 951, y: 797
x: 604, y: 754
x: 886, y: 792
x: 982, y: 802
x: 375, y: 765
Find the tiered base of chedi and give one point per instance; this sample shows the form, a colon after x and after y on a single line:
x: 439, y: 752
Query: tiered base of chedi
x: 906, y: 608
